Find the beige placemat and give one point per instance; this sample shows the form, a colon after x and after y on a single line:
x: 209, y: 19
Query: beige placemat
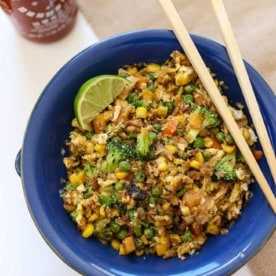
x: 253, y: 23
x: 254, y: 26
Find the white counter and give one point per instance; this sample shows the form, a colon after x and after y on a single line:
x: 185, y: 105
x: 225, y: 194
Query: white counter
x: 25, y: 69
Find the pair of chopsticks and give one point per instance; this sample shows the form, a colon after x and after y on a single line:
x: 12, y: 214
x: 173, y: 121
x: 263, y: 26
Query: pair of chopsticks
x: 209, y: 84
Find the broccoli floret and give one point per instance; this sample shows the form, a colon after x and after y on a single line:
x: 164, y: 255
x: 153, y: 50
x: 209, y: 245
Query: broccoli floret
x: 201, y: 117
x: 109, y: 199
x: 122, y: 148
x: 117, y: 151
x: 225, y: 168
x: 211, y: 119
x: 144, y: 149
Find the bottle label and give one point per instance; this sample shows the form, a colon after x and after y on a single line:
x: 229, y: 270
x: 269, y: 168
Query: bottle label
x: 39, y: 19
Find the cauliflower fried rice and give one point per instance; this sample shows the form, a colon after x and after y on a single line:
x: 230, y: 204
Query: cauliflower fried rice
x: 157, y: 171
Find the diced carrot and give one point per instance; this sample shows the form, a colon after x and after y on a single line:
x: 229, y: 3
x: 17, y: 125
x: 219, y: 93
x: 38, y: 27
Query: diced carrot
x: 258, y: 154
x: 99, y: 123
x: 216, y: 143
x: 195, y: 229
x: 170, y: 127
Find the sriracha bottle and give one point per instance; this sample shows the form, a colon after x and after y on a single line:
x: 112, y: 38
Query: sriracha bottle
x: 41, y: 20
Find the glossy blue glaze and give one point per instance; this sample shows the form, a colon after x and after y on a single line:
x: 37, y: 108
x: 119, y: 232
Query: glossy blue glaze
x: 42, y: 167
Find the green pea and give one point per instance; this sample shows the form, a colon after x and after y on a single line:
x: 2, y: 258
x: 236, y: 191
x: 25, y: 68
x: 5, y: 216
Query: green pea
x: 152, y: 200
x: 229, y: 139
x: 181, y: 192
x: 189, y: 88
x: 139, y: 244
x: 152, y: 136
x: 220, y: 136
x: 119, y: 186
x: 157, y: 127
x: 184, y: 155
x: 124, y: 166
x: 156, y: 191
x: 206, y: 155
x: 151, y: 76
x: 151, y: 88
x: 199, y: 143
x: 186, y: 236
x: 74, y: 215
x: 132, y: 214
x: 170, y: 106
x: 115, y: 227
x: 122, y: 234
x: 149, y: 233
x: 137, y: 230
x: 124, y: 75
x: 88, y: 135
x: 188, y: 98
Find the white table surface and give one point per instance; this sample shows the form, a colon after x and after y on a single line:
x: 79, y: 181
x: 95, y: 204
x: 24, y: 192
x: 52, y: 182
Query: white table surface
x: 25, y: 69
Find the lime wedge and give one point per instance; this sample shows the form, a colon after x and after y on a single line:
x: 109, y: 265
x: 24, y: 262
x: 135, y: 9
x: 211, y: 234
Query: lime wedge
x: 95, y: 95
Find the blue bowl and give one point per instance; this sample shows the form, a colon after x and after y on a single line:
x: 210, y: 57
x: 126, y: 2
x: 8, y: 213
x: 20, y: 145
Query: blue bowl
x: 41, y: 168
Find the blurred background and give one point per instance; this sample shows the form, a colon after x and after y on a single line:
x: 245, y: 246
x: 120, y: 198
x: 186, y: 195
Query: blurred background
x: 254, y: 27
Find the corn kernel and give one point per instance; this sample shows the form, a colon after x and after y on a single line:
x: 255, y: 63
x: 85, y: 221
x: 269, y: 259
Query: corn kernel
x: 99, y: 148
x: 144, y: 239
x: 228, y: 148
x: 161, y: 249
x: 174, y: 200
x: 75, y: 123
x: 212, y: 229
x: 175, y: 238
x: 147, y: 95
x: 199, y: 157
x: 139, y: 252
x: 69, y: 207
x: 208, y: 142
x: 89, y: 148
x: 171, y: 148
x: 141, y: 112
x: 153, y: 67
x: 115, y: 244
x: 121, y: 175
x: 122, y: 250
x: 77, y: 178
x: 88, y: 230
x: 162, y: 111
x: 240, y: 173
x: 93, y: 217
x: 166, y: 206
x: 114, y: 213
x: 162, y: 164
x: 185, y: 211
x: 195, y: 164
x: 132, y: 70
x: 245, y: 133
x: 102, y: 211
x: 182, y: 79
x: 177, y: 161
x: 164, y: 240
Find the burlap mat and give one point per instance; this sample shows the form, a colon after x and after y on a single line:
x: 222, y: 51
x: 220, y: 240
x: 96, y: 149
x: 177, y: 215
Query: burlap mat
x: 254, y: 26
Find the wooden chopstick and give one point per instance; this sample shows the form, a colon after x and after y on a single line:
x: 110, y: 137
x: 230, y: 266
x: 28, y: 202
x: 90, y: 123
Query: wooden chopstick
x: 209, y: 84
x: 245, y: 84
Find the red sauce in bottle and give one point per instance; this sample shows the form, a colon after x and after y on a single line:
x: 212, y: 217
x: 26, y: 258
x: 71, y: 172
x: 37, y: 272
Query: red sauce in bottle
x: 41, y: 20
